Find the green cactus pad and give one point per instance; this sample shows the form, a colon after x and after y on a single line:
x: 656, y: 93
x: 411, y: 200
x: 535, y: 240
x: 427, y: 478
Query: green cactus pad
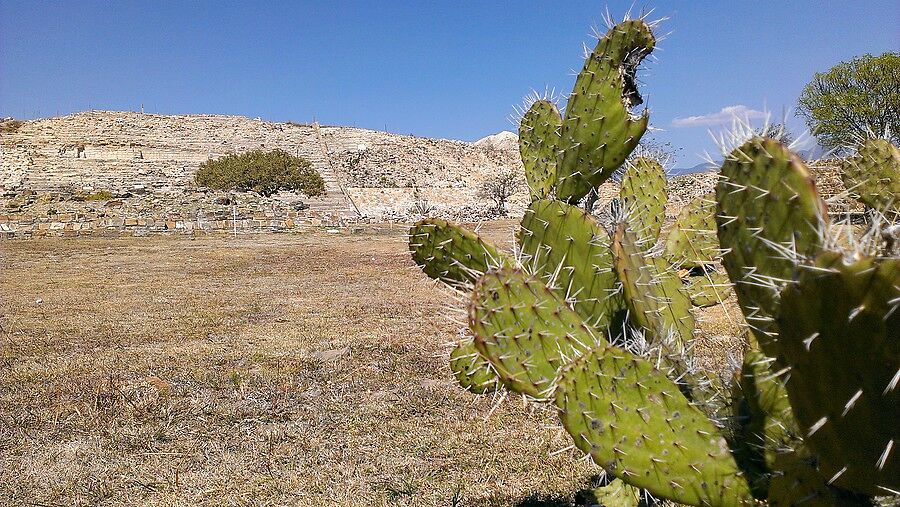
x: 472, y: 370
x: 525, y: 330
x: 451, y: 253
x: 796, y: 482
x: 692, y: 241
x: 539, y: 133
x: 873, y: 175
x: 708, y: 289
x: 570, y: 252
x: 643, y: 198
x: 768, y: 215
x: 653, y: 291
x: 840, y: 335
x: 636, y: 424
x: 766, y: 425
x: 616, y: 494
x: 599, y: 131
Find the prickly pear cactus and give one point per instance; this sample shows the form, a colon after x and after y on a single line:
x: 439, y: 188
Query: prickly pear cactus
x: 451, y: 253
x: 539, y: 132
x: 643, y: 198
x: 599, y: 130
x: 873, y: 175
x: 525, y: 330
x: 636, y: 424
x: 570, y: 252
x: 797, y: 482
x: 616, y: 494
x: 652, y: 290
x: 769, y: 217
x: 473, y: 371
x: 709, y: 288
x: 840, y: 336
x: 692, y: 241
x: 765, y: 423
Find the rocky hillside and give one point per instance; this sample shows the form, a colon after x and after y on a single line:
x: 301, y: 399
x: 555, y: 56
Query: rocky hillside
x: 110, y: 170
x: 366, y: 172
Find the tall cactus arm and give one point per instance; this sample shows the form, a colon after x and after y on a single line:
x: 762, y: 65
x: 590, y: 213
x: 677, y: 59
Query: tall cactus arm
x: 539, y: 132
x: 643, y: 197
x: 599, y: 131
x: 770, y: 217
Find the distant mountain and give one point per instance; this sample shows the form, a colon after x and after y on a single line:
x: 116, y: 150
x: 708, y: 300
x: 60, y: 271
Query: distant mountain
x: 699, y: 168
x: 504, y: 140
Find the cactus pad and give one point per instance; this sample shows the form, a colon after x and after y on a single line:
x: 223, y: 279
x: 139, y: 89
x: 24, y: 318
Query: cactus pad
x: 525, y: 330
x: 652, y: 290
x: 636, y: 424
x: 769, y: 215
x: 692, y: 241
x: 796, y: 482
x: 643, y: 198
x: 873, y: 175
x: 570, y: 251
x: 766, y: 425
x: 616, y: 494
x: 710, y: 288
x: 539, y: 145
x: 451, y: 253
x: 840, y: 335
x: 599, y: 131
x: 472, y: 371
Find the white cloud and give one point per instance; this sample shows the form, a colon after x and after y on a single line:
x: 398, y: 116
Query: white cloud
x: 725, y: 116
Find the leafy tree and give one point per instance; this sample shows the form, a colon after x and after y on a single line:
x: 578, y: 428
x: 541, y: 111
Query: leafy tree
x: 854, y: 99
x: 262, y: 172
x: 499, y: 187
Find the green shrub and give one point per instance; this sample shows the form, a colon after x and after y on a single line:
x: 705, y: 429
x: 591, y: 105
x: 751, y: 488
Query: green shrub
x: 262, y: 172
x: 99, y: 195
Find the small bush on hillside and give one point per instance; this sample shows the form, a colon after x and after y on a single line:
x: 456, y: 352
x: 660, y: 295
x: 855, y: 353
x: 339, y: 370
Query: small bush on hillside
x: 99, y: 195
x: 10, y: 126
x: 262, y: 172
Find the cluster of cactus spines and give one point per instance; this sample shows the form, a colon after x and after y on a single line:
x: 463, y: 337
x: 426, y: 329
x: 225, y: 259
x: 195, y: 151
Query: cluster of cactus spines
x: 769, y: 216
x: 643, y: 198
x: 639, y: 427
x: 840, y: 333
x: 873, y: 175
x: 598, y: 131
x: 539, y: 139
x: 570, y: 251
x: 525, y: 330
x: 471, y: 369
x: 451, y: 253
x: 652, y: 290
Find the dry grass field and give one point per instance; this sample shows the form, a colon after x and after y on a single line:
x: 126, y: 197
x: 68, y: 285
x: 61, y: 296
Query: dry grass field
x: 273, y: 370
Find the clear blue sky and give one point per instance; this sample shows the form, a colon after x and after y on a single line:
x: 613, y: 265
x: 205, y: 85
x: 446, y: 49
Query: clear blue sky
x: 450, y: 69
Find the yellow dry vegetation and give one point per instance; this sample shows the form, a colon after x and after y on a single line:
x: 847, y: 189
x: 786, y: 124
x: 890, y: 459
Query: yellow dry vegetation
x: 271, y: 370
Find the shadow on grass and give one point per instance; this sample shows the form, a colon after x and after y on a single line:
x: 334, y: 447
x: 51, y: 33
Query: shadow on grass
x: 538, y: 500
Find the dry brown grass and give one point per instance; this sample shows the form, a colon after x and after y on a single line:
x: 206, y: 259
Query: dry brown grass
x: 274, y: 370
